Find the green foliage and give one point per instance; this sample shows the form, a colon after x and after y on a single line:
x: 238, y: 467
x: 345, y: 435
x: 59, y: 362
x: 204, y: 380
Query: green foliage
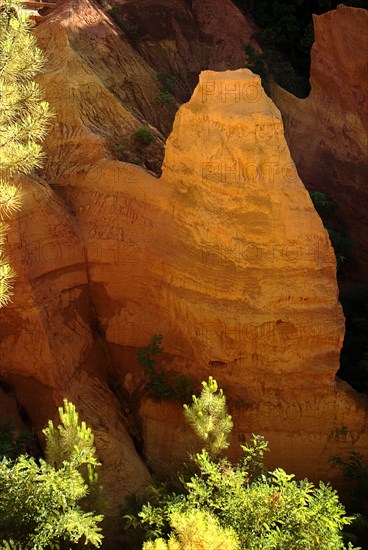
x: 146, y: 358
x: 209, y: 418
x: 144, y: 136
x: 41, y: 503
x: 129, y: 28
x: 195, y: 529
x: 11, y: 446
x: 269, y: 64
x: 23, y: 119
x: 166, y: 99
x: 322, y: 203
x: 272, y: 511
x: 341, y: 244
x: 120, y: 148
x: 162, y: 385
x: 70, y: 440
x: 168, y: 82
x: 257, y: 510
x: 286, y: 33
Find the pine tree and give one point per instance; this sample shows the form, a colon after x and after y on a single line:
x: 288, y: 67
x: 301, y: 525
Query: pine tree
x: 237, y: 506
x: 209, y: 418
x: 23, y: 119
x: 71, y: 440
x: 42, y: 504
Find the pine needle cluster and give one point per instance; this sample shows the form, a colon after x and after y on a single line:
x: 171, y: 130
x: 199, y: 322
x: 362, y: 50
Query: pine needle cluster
x: 24, y: 119
x: 209, y: 418
x: 70, y: 441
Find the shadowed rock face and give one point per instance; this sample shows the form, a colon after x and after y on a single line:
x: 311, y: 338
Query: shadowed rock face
x: 182, y: 38
x: 224, y: 255
x: 327, y: 131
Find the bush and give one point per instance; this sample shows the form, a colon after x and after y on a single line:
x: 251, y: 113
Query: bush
x: 24, y: 118
x: 286, y: 30
x: 195, y: 529
x: 209, y: 419
x: 322, y: 203
x: 130, y: 29
x: 165, y: 99
x: 168, y: 82
x: 270, y: 64
x: 341, y: 244
x: 162, y: 385
x: 144, y: 136
x: 41, y: 503
x: 120, y: 148
x: 255, y: 508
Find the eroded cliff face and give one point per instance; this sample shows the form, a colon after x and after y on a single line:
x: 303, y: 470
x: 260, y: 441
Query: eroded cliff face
x: 183, y: 38
x: 327, y: 131
x: 224, y: 255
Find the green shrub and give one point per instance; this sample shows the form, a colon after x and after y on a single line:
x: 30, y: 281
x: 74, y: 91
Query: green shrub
x: 120, y: 148
x: 144, y: 136
x: 323, y: 203
x: 195, y: 529
x: 24, y: 118
x: 209, y: 419
x: 161, y: 384
x: 168, y: 82
x: 340, y: 242
x: 270, y: 64
x: 255, y: 508
x: 129, y: 28
x: 41, y: 503
x: 165, y: 99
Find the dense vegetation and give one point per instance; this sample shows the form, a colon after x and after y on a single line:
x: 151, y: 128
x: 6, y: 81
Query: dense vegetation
x: 51, y: 503
x: 45, y: 503
x: 286, y: 36
x: 242, y: 505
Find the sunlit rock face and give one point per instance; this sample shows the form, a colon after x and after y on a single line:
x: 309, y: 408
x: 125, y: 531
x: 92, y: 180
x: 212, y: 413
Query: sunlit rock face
x: 224, y: 255
x: 327, y: 131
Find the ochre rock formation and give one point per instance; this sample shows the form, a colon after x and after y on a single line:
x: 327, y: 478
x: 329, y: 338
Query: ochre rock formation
x: 327, y: 131
x: 224, y: 255
x: 183, y: 38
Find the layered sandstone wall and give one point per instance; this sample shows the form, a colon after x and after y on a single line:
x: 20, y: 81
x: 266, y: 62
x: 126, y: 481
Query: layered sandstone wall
x: 224, y: 255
